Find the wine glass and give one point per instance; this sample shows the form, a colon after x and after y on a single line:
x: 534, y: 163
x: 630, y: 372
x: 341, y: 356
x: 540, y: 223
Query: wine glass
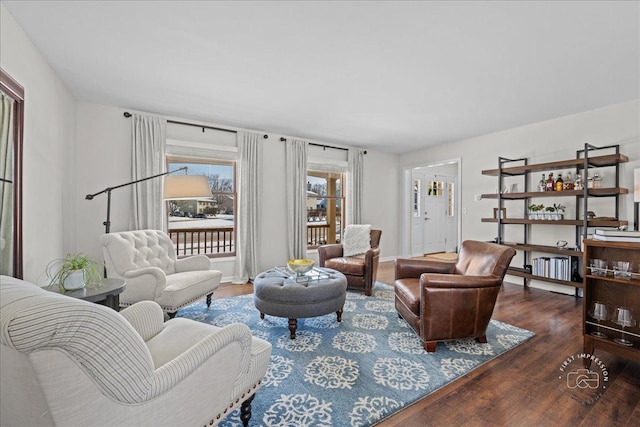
x: 621, y: 270
x: 623, y: 316
x: 599, y: 312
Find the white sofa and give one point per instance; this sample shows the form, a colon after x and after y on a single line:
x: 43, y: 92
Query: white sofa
x: 68, y: 362
x: 146, y: 260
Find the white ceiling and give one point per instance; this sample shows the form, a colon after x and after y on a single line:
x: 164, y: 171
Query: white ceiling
x: 387, y: 75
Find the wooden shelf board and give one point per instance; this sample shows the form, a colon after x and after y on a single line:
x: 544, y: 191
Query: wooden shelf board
x: 597, y: 161
x: 609, y: 346
x: 590, y: 223
x: 592, y: 192
x: 520, y: 272
x: 604, y: 244
x: 543, y: 248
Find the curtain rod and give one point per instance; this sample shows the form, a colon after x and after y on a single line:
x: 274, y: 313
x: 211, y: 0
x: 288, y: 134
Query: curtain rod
x: 265, y: 136
x: 324, y: 147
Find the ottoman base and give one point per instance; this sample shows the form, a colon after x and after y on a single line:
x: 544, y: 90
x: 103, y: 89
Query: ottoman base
x: 293, y: 323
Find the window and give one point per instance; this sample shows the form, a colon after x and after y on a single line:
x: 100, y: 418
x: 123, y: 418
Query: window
x: 325, y: 213
x: 205, y: 226
x: 416, y: 198
x: 435, y: 188
x: 451, y: 199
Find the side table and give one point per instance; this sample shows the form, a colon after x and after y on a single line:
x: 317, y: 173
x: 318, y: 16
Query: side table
x: 107, y: 293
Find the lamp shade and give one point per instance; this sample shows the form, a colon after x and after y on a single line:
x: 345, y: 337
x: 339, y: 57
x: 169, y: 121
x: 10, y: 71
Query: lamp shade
x: 186, y: 187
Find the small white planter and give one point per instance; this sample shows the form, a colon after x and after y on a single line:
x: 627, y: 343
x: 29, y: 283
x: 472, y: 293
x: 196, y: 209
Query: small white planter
x: 74, y: 281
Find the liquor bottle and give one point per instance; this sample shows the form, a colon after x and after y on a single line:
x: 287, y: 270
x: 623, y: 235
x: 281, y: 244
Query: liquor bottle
x: 577, y: 184
x: 542, y: 185
x: 551, y: 184
x: 559, y: 183
x: 568, y: 182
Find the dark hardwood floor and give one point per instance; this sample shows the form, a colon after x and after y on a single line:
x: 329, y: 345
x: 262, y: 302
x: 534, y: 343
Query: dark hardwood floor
x: 521, y: 387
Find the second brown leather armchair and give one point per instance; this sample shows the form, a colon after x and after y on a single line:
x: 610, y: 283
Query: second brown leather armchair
x: 361, y: 271
x: 445, y: 300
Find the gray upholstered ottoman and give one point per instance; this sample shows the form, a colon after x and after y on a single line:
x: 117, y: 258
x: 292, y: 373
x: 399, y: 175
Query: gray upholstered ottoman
x: 281, y: 296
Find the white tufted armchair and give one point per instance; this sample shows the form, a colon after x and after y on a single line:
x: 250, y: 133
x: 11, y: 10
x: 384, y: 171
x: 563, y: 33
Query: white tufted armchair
x: 68, y: 362
x: 146, y: 260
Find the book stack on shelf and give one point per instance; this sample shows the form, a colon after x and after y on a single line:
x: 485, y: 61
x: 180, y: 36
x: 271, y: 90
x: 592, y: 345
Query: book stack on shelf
x: 559, y: 268
x: 617, y: 235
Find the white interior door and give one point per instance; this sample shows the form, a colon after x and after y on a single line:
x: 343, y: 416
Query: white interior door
x: 439, y: 229
x: 434, y: 216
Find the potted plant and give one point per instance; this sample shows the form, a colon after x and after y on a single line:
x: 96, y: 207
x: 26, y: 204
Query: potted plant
x: 550, y: 212
x: 535, y: 211
x: 559, y: 211
x: 74, y: 271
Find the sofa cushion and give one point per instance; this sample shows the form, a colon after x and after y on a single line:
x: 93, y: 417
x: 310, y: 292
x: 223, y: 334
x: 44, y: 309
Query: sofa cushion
x: 183, y: 288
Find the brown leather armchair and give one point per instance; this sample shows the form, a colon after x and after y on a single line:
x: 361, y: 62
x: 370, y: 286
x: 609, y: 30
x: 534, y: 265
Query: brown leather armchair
x: 361, y: 271
x: 445, y: 300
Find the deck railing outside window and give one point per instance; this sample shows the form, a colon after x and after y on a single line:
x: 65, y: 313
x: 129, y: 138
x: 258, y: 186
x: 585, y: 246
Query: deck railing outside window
x: 208, y: 241
x: 220, y: 241
x: 317, y: 234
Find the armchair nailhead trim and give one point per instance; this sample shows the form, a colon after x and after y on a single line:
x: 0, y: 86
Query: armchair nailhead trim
x: 234, y: 404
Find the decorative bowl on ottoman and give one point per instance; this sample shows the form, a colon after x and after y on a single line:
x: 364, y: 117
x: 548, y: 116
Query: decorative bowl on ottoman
x: 300, y: 266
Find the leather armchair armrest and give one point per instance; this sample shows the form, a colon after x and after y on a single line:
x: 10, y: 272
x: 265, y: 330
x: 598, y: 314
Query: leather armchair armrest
x: 371, y: 254
x: 431, y: 280
x: 146, y: 317
x: 148, y: 282
x: 326, y: 252
x: 195, y: 262
x: 413, y: 268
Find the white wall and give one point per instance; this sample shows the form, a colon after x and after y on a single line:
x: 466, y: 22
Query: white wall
x: 547, y: 141
x: 71, y: 150
x: 49, y: 145
x: 103, y: 160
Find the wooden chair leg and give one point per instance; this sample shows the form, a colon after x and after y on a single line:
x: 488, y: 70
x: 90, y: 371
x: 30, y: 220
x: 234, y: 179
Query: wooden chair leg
x: 430, y: 346
x: 209, y: 299
x: 245, y: 411
x: 482, y: 339
x: 339, y: 314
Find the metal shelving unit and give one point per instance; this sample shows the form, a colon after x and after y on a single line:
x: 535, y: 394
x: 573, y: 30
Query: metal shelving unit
x: 585, y: 159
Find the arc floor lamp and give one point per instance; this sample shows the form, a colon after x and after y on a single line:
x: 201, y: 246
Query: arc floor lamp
x: 176, y: 187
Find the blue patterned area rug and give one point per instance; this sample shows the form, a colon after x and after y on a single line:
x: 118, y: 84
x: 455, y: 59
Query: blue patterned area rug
x: 353, y: 373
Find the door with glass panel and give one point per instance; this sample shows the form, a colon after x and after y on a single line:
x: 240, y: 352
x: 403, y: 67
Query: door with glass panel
x: 434, y: 229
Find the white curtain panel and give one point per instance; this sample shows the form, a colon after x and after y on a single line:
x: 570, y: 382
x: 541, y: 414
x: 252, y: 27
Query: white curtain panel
x: 248, y: 224
x: 296, y: 188
x: 148, y: 139
x: 6, y: 188
x: 356, y: 185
